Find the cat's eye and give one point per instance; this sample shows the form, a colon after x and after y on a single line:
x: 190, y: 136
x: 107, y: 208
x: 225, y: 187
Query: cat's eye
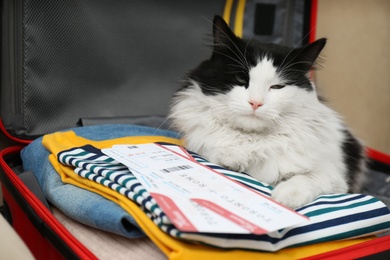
x: 241, y: 79
x: 279, y: 86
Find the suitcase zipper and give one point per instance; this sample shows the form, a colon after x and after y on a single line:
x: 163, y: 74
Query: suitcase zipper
x: 12, y: 70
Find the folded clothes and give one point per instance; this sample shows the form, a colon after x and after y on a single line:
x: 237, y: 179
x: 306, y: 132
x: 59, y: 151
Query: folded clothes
x: 332, y: 217
x: 80, y: 204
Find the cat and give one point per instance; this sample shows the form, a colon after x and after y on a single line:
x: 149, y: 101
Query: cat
x: 251, y: 107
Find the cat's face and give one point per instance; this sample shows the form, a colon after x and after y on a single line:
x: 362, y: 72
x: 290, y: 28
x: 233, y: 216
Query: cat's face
x: 264, y: 99
x: 251, y: 85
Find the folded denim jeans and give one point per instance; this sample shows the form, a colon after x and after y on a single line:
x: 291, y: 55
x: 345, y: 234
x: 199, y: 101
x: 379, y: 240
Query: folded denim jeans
x: 82, y: 205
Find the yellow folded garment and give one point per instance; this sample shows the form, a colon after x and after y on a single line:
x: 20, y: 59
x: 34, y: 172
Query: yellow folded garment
x: 172, y: 248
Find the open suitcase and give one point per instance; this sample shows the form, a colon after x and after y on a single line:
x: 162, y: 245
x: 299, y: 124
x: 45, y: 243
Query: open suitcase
x: 68, y: 64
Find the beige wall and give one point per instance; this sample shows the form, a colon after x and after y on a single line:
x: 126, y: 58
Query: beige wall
x: 355, y: 77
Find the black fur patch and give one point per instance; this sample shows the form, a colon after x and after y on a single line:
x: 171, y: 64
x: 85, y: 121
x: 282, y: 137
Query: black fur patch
x: 353, y: 155
x: 232, y: 59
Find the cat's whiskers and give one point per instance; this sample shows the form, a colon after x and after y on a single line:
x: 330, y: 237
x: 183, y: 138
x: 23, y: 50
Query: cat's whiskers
x: 239, y: 59
x: 281, y: 65
x: 232, y: 42
x: 205, y: 87
x: 295, y: 63
x: 296, y: 70
x: 246, y: 46
x: 284, y: 69
x: 240, y: 62
x: 289, y: 69
x: 296, y: 45
x: 234, y: 65
x: 273, y: 125
x: 214, y: 112
x: 205, y: 112
x: 169, y: 128
x: 180, y: 133
x: 235, y: 45
x: 237, y: 53
x: 235, y: 71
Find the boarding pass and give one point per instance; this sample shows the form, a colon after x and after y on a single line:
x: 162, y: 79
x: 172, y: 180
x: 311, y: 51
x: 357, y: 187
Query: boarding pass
x: 197, y: 198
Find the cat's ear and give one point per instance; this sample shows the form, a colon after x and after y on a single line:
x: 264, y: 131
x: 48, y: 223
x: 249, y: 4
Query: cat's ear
x: 222, y: 34
x: 309, y: 53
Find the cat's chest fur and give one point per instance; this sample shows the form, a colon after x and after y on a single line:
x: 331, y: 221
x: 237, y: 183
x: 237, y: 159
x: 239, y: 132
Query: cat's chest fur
x: 267, y: 158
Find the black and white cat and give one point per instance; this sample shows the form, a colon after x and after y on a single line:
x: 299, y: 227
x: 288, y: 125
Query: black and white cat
x: 251, y: 107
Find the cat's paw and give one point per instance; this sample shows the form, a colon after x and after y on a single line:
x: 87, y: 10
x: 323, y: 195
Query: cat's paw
x: 292, y: 196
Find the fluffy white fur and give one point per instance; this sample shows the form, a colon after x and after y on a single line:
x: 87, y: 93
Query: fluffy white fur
x: 292, y: 141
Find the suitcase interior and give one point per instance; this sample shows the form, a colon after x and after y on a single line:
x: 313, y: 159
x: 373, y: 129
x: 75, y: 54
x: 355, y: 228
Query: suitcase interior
x: 49, y: 112
x: 30, y: 218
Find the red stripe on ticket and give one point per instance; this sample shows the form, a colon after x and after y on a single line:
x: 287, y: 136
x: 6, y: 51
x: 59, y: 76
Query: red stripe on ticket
x: 254, y: 229
x: 174, y: 214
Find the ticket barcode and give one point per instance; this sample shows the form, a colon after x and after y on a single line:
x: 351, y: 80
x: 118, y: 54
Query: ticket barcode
x: 176, y: 168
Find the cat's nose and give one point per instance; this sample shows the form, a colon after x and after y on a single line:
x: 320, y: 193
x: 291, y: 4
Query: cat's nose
x: 255, y: 104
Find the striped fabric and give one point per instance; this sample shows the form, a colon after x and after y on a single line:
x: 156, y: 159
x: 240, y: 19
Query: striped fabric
x: 332, y: 217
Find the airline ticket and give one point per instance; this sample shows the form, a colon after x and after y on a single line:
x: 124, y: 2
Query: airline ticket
x: 197, y: 198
